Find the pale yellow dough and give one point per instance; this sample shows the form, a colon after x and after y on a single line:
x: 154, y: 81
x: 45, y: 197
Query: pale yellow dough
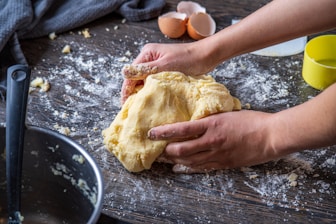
x: 167, y: 97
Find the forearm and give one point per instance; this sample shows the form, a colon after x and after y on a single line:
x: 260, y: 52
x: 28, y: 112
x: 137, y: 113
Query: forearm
x: 306, y: 126
x: 278, y: 21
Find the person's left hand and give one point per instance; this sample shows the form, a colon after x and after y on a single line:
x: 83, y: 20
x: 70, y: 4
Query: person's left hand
x: 221, y: 141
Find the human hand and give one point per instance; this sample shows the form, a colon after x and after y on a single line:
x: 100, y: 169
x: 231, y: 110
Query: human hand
x: 221, y: 141
x: 153, y: 58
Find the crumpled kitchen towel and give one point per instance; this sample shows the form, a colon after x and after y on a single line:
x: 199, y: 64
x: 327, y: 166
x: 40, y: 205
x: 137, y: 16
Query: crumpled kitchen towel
x: 22, y: 19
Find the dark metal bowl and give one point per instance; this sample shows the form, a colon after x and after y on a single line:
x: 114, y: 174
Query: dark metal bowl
x: 61, y: 183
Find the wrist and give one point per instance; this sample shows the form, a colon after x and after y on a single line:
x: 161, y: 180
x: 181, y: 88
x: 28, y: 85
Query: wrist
x: 286, y: 133
x: 269, y: 138
x: 223, y: 45
x: 310, y: 125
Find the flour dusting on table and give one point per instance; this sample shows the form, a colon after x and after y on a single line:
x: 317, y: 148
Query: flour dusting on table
x: 88, y: 80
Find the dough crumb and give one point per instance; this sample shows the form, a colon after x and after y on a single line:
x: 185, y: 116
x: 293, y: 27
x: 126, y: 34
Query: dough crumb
x: 66, y: 49
x: 293, y: 183
x: 253, y: 176
x: 247, y: 106
x: 123, y: 59
x: 86, y: 33
x: 52, y: 36
x: 246, y: 169
x: 292, y: 178
x: 63, y: 130
x: 78, y: 158
x: 39, y: 82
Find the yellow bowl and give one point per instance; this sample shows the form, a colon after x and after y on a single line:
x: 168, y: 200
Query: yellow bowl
x: 319, y: 62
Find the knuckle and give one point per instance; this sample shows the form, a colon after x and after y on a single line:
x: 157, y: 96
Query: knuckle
x: 175, y: 149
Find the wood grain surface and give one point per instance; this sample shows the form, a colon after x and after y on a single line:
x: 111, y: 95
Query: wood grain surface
x: 84, y: 97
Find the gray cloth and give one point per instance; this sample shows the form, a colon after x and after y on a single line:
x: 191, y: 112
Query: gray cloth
x: 22, y: 19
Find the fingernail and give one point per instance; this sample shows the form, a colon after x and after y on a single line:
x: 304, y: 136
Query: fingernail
x: 151, y: 134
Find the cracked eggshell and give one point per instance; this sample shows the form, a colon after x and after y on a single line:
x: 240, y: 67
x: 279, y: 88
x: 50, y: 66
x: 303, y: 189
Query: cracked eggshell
x: 201, y: 25
x: 189, y: 7
x: 173, y: 24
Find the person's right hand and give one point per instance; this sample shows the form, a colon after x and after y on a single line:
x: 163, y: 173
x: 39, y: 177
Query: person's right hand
x: 220, y: 141
x: 186, y: 58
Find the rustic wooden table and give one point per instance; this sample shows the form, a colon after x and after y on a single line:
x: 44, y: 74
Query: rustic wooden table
x: 84, y: 97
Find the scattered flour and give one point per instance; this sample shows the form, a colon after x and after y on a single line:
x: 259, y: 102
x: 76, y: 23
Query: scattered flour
x: 264, y: 88
x: 88, y: 80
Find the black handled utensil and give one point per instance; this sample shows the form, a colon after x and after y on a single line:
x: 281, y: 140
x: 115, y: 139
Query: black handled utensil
x: 18, y: 78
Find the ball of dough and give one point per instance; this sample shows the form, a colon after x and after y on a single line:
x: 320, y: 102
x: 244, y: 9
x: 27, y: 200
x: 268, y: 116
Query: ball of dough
x: 166, y: 97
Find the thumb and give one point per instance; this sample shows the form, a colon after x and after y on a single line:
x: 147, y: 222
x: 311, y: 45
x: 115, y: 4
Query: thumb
x: 182, y: 169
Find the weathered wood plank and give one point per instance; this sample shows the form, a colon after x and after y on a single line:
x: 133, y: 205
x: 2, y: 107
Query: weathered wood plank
x: 84, y: 96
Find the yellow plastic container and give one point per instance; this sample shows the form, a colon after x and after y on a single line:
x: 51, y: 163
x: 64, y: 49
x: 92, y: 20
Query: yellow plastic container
x: 319, y: 62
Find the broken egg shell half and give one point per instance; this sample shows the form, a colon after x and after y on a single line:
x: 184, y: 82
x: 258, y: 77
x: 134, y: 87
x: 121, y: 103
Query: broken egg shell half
x: 173, y: 24
x: 201, y: 25
x: 189, y: 7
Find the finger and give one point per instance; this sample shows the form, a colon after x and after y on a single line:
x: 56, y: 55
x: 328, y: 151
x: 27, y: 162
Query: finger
x: 163, y: 159
x: 203, y: 168
x: 177, y: 131
x: 187, y: 152
x: 193, y: 154
x: 138, y: 71
x: 143, y: 58
x: 148, y: 53
x: 208, y: 167
x: 182, y: 169
x: 127, y: 89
